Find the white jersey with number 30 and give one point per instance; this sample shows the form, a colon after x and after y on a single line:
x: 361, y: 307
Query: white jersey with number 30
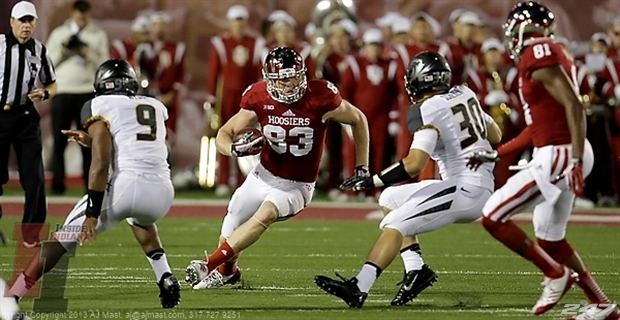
x: 137, y: 127
x: 462, y: 127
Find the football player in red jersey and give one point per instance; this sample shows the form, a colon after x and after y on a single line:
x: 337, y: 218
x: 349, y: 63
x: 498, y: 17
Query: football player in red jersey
x: 561, y: 160
x: 293, y: 114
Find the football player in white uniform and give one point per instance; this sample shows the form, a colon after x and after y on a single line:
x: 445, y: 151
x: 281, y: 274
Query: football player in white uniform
x: 448, y: 125
x: 129, y: 178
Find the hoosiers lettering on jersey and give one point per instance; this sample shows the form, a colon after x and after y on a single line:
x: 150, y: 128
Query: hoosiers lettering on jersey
x: 288, y: 121
x: 295, y: 132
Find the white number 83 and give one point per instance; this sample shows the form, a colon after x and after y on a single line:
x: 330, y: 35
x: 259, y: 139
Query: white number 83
x: 277, y: 135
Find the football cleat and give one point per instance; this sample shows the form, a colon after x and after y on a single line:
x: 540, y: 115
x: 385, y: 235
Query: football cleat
x: 169, y: 290
x: 9, y: 309
x: 598, y: 312
x: 345, y: 289
x: 196, y: 271
x: 553, y: 291
x: 216, y: 279
x: 2, y: 238
x: 414, y: 282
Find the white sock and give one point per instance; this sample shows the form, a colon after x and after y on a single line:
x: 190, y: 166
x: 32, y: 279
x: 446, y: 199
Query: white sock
x: 159, y: 263
x: 412, y: 260
x: 367, y: 276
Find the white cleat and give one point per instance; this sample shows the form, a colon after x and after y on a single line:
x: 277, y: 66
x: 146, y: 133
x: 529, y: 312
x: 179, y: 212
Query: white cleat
x: 594, y: 312
x: 196, y: 271
x: 8, y: 306
x: 216, y: 279
x: 553, y: 291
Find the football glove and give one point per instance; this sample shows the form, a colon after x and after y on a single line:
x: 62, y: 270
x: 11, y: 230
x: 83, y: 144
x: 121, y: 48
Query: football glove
x: 480, y: 157
x: 247, y: 148
x: 360, y: 180
x: 574, y: 176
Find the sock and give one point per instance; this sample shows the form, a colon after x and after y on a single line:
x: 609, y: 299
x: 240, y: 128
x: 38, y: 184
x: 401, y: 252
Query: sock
x: 221, y: 255
x: 412, y: 257
x: 561, y: 251
x: 227, y: 268
x: 367, y: 276
x: 591, y: 289
x: 159, y: 262
x: 22, y: 285
x: 516, y: 240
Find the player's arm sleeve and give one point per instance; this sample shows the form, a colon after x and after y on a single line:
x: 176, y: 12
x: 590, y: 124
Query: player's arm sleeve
x: 248, y: 99
x: 89, y: 115
x: 414, y: 118
x: 425, y: 139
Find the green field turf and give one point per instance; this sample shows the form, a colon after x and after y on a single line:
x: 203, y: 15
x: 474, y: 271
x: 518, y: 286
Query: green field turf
x: 479, y: 279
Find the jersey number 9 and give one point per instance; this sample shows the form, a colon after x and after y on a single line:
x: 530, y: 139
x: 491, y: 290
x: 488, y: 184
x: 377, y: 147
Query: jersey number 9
x: 146, y: 116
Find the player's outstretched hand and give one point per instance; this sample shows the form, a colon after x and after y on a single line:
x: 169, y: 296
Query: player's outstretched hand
x: 78, y: 136
x: 574, y: 175
x: 480, y: 157
x: 88, y: 232
x: 360, y: 180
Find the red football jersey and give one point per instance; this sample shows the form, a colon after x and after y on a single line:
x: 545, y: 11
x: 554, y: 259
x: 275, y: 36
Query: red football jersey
x: 542, y: 112
x: 295, y: 132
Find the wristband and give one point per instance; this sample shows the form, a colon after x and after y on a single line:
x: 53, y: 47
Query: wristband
x: 394, y: 174
x: 93, y: 203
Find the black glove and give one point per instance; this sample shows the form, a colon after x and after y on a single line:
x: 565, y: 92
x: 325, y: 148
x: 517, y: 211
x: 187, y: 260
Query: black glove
x: 361, y: 176
x: 480, y: 157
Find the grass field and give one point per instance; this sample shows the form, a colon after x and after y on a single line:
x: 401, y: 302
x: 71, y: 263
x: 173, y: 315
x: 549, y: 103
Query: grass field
x: 479, y: 279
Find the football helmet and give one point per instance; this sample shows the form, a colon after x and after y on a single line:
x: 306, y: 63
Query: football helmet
x: 427, y: 72
x: 526, y: 20
x: 115, y: 76
x: 285, y: 73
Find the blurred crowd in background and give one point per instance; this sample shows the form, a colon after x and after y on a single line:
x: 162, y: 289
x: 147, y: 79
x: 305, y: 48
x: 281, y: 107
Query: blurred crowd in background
x: 361, y: 46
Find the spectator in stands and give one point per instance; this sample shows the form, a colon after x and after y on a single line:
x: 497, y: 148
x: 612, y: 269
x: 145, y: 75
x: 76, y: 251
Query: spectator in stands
x: 125, y: 49
x: 340, y: 42
x: 613, y: 31
x: 234, y: 63
x: 283, y: 31
x: 369, y: 82
x: 76, y: 48
x: 462, y: 51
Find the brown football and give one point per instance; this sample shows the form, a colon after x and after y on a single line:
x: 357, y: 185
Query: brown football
x: 246, y: 135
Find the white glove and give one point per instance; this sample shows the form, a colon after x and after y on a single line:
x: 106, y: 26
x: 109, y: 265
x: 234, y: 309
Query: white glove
x: 495, y: 97
x: 393, y: 128
x: 617, y: 91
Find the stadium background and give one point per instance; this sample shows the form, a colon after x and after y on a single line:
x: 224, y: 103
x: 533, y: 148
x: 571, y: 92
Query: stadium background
x: 195, y: 21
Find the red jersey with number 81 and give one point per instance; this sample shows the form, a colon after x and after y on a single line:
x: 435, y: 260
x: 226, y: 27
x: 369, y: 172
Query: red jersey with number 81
x: 545, y: 115
x: 294, y: 132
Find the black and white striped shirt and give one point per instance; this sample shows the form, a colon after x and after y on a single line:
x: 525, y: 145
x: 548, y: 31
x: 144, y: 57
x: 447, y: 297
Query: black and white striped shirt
x: 20, y: 66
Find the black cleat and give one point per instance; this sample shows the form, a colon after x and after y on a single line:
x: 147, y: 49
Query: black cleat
x: 413, y: 283
x: 2, y: 239
x: 169, y: 290
x: 346, y: 290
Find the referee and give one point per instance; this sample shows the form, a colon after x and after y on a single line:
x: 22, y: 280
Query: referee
x: 23, y: 61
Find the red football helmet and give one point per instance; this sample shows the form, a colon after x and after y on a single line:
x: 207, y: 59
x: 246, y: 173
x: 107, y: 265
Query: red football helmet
x: 285, y: 73
x: 526, y: 20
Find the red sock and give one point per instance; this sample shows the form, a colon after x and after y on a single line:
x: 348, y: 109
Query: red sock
x: 516, y: 240
x: 221, y: 255
x: 561, y: 251
x: 227, y: 268
x: 592, y: 290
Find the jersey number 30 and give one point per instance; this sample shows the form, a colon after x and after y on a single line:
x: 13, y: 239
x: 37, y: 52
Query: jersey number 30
x: 472, y: 122
x: 146, y: 116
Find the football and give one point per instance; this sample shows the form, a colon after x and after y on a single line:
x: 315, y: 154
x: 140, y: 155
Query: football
x: 245, y: 142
